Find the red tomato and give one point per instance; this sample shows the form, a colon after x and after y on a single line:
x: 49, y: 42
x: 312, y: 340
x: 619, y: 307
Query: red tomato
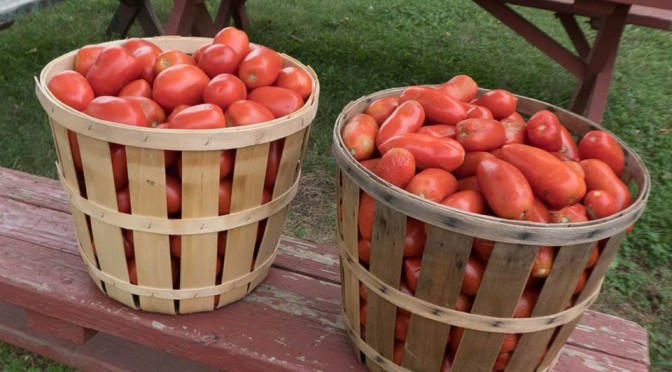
x: 364, y: 248
x: 464, y: 303
x: 204, y: 116
x: 221, y: 243
x: 415, y: 238
x: 412, y: 272
x: 223, y: 90
x: 71, y: 88
x: 118, y: 110
x: 397, y: 166
x: 576, y: 167
x: 382, y: 108
x: 114, y: 68
x: 439, y: 130
x: 480, y: 134
x: 468, y: 183
x: 176, y: 246
x: 119, y: 170
x: 132, y: 272
x: 471, y: 162
x: 538, y: 213
x: 359, y: 136
x: 505, y: 189
x: 236, y: 39
x: 370, y: 164
x: 582, y: 282
x: 365, y: 221
x: 225, y: 190
x: 510, y: 342
x: 543, y: 262
x: 594, y: 256
x: 601, y: 145
x: 74, y: 149
x: 152, y: 111
x: 515, y: 131
x: 246, y: 112
x: 515, y: 117
x: 438, y: 106
x: 483, y: 248
x: 280, y: 101
x: 600, y: 176
x: 400, y: 324
x: 273, y: 162
x: 552, y: 180
x: 570, y: 214
x: 85, y: 58
x: 169, y: 156
x: 407, y: 118
x: 297, y: 80
x: 502, y: 361
x: 146, y: 56
x: 129, y: 251
x: 500, y: 102
x: 197, y: 54
x: 260, y: 67
x: 135, y: 43
x: 180, y: 85
x: 479, y: 112
x: 526, y: 303
x: 171, y: 58
x: 543, y: 131
x: 461, y: 87
x: 473, y: 275
x: 428, y: 151
x: 124, y: 200
x: 467, y: 200
x: 599, y: 204
x: 173, y: 194
x: 136, y: 88
x: 226, y: 162
x: 175, y: 111
x: 433, y: 184
x: 218, y: 59
x: 568, y: 150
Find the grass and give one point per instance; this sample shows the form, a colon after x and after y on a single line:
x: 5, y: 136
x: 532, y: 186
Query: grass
x: 358, y: 47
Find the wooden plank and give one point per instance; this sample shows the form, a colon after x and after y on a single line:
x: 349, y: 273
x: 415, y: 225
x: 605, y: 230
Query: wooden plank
x: 575, y: 34
x: 58, y: 328
x: 573, y: 359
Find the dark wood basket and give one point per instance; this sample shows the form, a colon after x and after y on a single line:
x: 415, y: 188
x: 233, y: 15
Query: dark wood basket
x: 450, y: 234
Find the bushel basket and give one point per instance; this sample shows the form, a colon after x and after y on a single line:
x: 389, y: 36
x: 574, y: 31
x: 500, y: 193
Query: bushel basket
x: 438, y: 336
x: 221, y: 257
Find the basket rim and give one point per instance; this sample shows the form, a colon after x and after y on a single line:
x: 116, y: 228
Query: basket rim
x: 526, y: 233
x: 167, y: 139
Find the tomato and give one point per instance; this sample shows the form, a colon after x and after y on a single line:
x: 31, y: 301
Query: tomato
x: 118, y: 110
x: 280, y: 101
x: 570, y: 214
x: 132, y: 272
x: 468, y: 183
x: 176, y: 246
x: 398, y: 352
x: 136, y: 88
x: 480, y: 134
x: 397, y: 166
x: 226, y: 162
x: 129, y: 251
x: 218, y: 59
x: 370, y: 164
x: 297, y: 80
x: 260, y: 67
x: 146, y: 56
x: 135, y: 43
x: 273, y: 162
x: 246, y: 112
x: 152, y: 111
x: 234, y: 38
x: 461, y: 87
x: 464, y: 303
x: 500, y: 102
x: 473, y: 275
x: 124, y: 200
x: 581, y: 283
x: 119, y: 170
x: 576, y: 168
x: 515, y: 117
x: 456, y: 334
x: 225, y: 190
x: 526, y: 303
x: 483, y: 248
x: 502, y: 361
x: 173, y: 194
x: 114, y: 68
x: 175, y: 111
x: 510, y: 342
x: 221, y: 243
x: 552, y: 180
x: 85, y: 58
x: 601, y: 145
x: 428, y: 151
x: 382, y: 108
x: 543, y: 262
x: 359, y: 136
x: 365, y: 221
x: 594, y: 256
x: 415, y: 238
x: 600, y: 176
x: 74, y: 149
x: 568, y: 150
x: 203, y: 116
x: 467, y: 200
x: 180, y: 85
x: 433, y: 184
x: 197, y: 54
x: 505, y: 189
x: 538, y: 213
x: 412, y: 272
x: 599, y: 204
x: 407, y: 118
x: 479, y: 112
x: 515, y: 131
x: 71, y: 88
x: 471, y: 161
x: 364, y: 248
x: 543, y: 131
x: 223, y: 90
x: 170, y: 58
x: 438, y: 106
x: 439, y: 130
x: 400, y: 324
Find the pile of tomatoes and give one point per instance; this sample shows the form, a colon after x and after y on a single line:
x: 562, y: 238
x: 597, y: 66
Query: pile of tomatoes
x: 478, y: 154
x: 226, y: 82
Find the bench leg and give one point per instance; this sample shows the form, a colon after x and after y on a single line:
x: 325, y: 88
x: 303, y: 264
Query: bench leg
x: 232, y: 9
x: 59, y: 328
x: 128, y: 12
x: 190, y: 17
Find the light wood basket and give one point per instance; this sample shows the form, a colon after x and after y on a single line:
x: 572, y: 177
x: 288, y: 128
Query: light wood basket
x: 98, y: 222
x: 450, y: 233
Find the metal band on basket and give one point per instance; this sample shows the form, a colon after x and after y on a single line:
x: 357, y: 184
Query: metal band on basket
x: 459, y: 318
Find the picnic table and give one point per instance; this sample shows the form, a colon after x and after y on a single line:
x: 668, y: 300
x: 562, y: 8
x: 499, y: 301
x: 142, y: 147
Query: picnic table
x: 593, y: 65
x: 291, y: 322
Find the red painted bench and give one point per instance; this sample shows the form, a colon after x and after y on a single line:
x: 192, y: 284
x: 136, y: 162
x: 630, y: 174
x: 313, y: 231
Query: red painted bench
x: 49, y: 305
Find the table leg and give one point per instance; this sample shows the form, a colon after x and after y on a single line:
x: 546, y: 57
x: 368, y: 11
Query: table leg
x: 130, y: 10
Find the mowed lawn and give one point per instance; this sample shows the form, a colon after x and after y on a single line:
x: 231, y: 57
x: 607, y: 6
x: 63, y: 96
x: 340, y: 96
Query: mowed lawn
x: 359, y: 47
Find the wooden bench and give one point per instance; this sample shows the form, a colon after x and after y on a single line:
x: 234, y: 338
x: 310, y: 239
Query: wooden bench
x: 593, y: 65
x: 12, y: 9
x: 292, y: 321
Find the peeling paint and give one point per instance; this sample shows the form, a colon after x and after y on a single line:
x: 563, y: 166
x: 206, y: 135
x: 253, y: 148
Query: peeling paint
x: 326, y: 259
x: 43, y: 287
x: 591, y: 363
x: 158, y: 325
x: 586, y: 328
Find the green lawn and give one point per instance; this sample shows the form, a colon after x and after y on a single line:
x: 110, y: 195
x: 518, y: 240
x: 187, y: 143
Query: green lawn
x: 358, y: 47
